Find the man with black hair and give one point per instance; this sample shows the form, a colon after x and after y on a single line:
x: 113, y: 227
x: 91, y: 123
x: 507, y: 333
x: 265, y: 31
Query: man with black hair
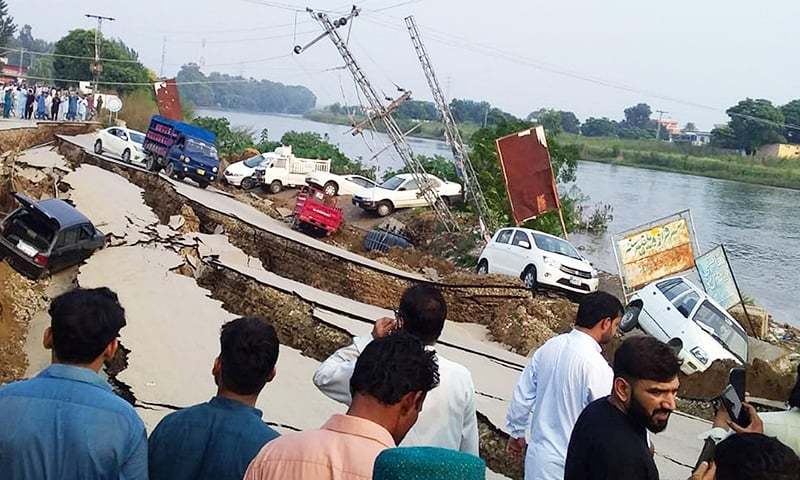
x: 449, y: 419
x: 66, y: 422
x: 609, y: 440
x: 217, y: 440
x: 751, y: 456
x: 564, y: 375
x: 390, y: 381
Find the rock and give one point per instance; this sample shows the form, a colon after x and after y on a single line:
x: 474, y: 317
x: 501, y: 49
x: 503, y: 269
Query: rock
x: 431, y: 273
x: 219, y: 229
x: 176, y: 222
x: 284, y: 212
x: 191, y: 222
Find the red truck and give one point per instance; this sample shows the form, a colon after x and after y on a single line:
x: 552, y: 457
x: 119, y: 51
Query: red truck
x: 317, y: 209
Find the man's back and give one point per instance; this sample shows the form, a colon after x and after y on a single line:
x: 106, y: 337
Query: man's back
x: 785, y: 426
x: 564, y: 375
x: 213, y: 440
x: 66, y: 423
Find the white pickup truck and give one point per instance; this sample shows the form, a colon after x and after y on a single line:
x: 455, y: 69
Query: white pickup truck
x: 283, y: 169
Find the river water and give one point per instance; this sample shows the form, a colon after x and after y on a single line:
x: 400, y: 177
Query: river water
x: 760, y: 226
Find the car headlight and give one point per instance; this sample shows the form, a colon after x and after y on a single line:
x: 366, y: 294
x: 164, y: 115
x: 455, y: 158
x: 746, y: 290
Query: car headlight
x: 595, y: 273
x: 551, y: 262
x: 186, y: 159
x: 700, y: 355
x: 214, y: 169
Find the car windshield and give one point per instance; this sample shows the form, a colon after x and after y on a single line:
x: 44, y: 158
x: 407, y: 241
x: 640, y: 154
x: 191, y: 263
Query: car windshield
x: 137, y: 137
x: 555, y: 245
x: 30, y: 228
x: 253, y: 162
x: 194, y: 146
x: 723, y: 328
x: 393, y: 183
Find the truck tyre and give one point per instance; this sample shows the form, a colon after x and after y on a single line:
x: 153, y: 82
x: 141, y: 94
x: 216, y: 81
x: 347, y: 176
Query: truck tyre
x: 384, y: 208
x: 151, y: 163
x: 630, y: 319
x: 331, y: 188
x: 126, y: 155
x: 275, y: 187
x: 381, y: 241
x: 248, y: 183
x: 169, y: 170
x: 483, y: 267
x: 98, y: 147
x: 529, y: 277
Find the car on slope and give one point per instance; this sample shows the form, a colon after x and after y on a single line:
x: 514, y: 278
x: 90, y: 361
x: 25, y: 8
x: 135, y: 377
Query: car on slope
x: 47, y: 236
x: 402, y: 191
x: 341, y: 184
x: 538, y: 259
x: 240, y: 174
x: 122, y: 142
x: 677, y: 310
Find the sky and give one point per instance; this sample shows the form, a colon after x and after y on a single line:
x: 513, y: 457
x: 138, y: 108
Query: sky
x: 693, y: 59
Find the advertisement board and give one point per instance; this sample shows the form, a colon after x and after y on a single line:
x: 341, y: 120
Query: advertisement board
x: 716, y: 275
x: 655, y: 250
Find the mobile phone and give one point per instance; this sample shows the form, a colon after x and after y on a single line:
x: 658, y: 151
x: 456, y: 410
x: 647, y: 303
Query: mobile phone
x: 707, y: 455
x: 737, y: 379
x: 733, y: 405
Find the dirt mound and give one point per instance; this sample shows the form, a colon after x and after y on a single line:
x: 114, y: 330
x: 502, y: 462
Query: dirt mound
x: 763, y: 381
x: 20, y: 299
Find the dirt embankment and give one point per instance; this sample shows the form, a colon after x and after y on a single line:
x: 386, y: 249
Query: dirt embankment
x: 20, y: 139
x: 763, y: 381
x: 20, y: 299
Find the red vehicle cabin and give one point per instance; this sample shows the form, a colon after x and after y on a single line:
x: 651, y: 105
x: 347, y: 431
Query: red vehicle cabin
x: 317, y: 209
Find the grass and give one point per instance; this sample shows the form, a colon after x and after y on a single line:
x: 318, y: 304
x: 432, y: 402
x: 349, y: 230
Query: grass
x: 701, y: 161
x: 429, y: 130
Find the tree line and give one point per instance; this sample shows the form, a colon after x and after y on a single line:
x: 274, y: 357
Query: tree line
x: 464, y: 111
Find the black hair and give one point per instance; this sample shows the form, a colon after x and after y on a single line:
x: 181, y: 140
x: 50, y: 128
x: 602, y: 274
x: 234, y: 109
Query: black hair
x: 422, y: 311
x: 596, y: 306
x: 646, y: 358
x: 754, y: 456
x: 248, y: 354
x: 83, y: 322
x: 393, y: 366
x: 794, y: 397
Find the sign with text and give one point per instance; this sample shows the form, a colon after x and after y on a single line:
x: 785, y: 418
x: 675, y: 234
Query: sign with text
x: 655, y: 250
x: 716, y: 274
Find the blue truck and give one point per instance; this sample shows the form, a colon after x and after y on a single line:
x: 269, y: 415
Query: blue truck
x: 182, y: 150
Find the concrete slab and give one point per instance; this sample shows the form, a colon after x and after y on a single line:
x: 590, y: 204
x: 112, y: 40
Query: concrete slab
x: 44, y: 157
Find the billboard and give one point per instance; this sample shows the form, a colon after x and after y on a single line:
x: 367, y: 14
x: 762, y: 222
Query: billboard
x: 525, y: 161
x: 716, y: 275
x: 655, y: 250
x: 169, y: 100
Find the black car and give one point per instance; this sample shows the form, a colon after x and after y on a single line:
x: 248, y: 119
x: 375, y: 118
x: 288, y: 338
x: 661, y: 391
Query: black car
x: 46, y: 236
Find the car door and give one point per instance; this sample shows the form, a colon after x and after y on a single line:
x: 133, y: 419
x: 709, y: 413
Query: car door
x: 88, y: 241
x: 65, y: 252
x: 519, y: 252
x: 497, y: 254
x: 406, y: 195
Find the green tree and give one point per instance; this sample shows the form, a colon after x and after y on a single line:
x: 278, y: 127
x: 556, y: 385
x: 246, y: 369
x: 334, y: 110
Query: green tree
x: 435, y: 165
x: 599, y: 127
x: 568, y: 121
x: 690, y: 127
x: 230, y: 141
x: 80, y: 43
x: 791, y: 115
x: 638, y: 116
x: 199, y: 94
x: 42, y: 68
x: 723, y: 137
x: 755, y: 123
x: 7, y: 25
x: 31, y: 46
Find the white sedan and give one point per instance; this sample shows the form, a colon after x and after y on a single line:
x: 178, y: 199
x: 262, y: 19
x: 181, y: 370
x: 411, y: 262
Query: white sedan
x: 538, y: 258
x: 402, y: 191
x: 122, y: 142
x: 240, y: 174
x: 341, y: 184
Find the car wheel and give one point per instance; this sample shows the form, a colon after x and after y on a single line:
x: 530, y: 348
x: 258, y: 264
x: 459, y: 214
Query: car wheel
x: 275, y: 187
x: 98, y: 147
x: 203, y: 185
x: 248, y: 183
x: 151, y: 163
x: 126, y: 155
x: 331, y: 188
x: 529, y: 277
x: 483, y: 267
x: 630, y: 319
x: 384, y: 208
x: 169, y: 170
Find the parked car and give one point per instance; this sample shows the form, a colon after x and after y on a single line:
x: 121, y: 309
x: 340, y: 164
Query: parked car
x: 538, y: 259
x: 47, y: 236
x: 676, y: 308
x: 341, y: 184
x: 240, y: 174
x: 402, y: 191
x: 121, y: 141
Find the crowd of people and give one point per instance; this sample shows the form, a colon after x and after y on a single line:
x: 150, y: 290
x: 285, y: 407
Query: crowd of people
x: 42, y: 102
x: 410, y: 411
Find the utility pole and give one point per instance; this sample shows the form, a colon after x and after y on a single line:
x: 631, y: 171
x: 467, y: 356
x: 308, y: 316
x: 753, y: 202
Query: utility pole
x: 21, y: 59
x: 661, y: 114
x: 97, y: 67
x: 380, y: 111
x: 163, y: 56
x: 472, y: 187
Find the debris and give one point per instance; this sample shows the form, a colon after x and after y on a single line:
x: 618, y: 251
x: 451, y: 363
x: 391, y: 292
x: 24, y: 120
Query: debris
x: 284, y: 212
x: 219, y: 229
x: 176, y: 222
x: 191, y: 222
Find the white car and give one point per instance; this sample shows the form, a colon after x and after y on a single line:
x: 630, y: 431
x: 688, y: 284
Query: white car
x: 401, y: 191
x: 538, y: 259
x: 675, y: 310
x: 240, y: 174
x: 341, y: 184
x: 122, y: 142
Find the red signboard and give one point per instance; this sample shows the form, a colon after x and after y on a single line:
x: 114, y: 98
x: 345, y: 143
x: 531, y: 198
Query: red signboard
x: 525, y: 161
x: 169, y: 100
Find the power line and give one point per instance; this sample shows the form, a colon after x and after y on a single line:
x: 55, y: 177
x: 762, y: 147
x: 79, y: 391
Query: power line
x: 77, y: 57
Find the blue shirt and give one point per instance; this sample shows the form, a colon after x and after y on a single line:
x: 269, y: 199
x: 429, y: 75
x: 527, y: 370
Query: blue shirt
x: 214, y: 440
x: 67, y: 424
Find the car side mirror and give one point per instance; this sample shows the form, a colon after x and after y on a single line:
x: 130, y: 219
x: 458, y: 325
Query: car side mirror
x: 401, y: 189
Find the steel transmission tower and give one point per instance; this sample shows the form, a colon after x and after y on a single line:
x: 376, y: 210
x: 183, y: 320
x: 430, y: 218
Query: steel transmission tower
x: 382, y: 113
x: 472, y: 188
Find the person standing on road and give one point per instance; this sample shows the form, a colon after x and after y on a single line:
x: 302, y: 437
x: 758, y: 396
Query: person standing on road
x: 54, y: 106
x: 217, y: 440
x: 8, y: 101
x: 67, y: 423
x: 391, y: 379
x: 449, y: 419
x: 563, y: 376
x: 610, y: 439
x: 72, y: 109
x: 29, y: 100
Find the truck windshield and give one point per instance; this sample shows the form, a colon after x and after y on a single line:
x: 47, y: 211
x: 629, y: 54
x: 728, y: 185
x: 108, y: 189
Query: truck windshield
x: 393, y: 183
x: 724, y: 330
x: 194, y: 146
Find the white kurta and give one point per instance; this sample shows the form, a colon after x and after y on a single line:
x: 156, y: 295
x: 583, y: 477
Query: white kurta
x: 562, y: 378
x: 448, y: 418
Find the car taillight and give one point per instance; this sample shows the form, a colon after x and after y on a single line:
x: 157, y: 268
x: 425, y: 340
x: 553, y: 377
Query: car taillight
x: 40, y: 259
